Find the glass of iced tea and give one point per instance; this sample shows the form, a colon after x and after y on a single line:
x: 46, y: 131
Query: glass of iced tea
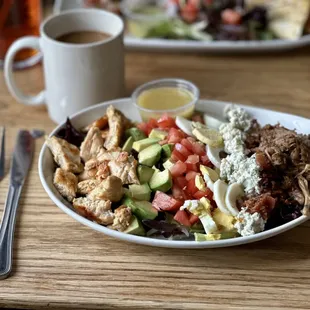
x: 19, y: 18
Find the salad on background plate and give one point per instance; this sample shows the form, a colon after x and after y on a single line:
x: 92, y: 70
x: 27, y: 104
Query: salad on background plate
x: 212, y: 20
x: 177, y: 179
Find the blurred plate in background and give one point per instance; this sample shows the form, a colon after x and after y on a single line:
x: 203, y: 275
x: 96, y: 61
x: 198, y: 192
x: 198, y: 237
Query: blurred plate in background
x: 158, y: 44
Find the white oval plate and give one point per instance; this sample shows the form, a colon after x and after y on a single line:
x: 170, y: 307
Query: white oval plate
x: 154, y: 44
x: 215, y: 108
x: 214, y: 46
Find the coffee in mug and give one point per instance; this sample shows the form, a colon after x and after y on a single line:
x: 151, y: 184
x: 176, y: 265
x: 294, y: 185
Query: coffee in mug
x: 82, y: 37
x: 83, y: 61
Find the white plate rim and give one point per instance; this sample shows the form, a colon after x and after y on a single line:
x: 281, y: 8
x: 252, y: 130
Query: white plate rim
x: 159, y: 242
x: 215, y: 46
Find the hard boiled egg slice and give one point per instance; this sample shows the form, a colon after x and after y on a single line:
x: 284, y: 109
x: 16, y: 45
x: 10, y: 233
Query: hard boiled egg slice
x: 234, y: 191
x: 214, y: 155
x: 212, y: 122
x: 210, y: 176
x: 219, y: 194
x: 184, y: 124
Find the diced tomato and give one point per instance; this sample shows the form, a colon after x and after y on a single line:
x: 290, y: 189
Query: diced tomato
x: 182, y: 149
x: 199, y: 194
x: 195, y: 3
x: 191, y: 187
x: 163, y: 202
x: 187, y: 144
x: 192, y: 159
x: 199, y: 149
x: 178, y: 169
x: 176, y: 156
x: 144, y: 127
x: 152, y: 123
x: 190, y: 175
x: 231, y: 17
x: 207, y: 193
x: 197, y: 118
x: 205, y: 160
x: 193, y: 219
x: 175, y: 135
x: 191, y: 163
x: 166, y: 122
x: 177, y: 192
x: 189, y: 12
x: 180, y: 181
x: 192, y: 167
x: 182, y: 217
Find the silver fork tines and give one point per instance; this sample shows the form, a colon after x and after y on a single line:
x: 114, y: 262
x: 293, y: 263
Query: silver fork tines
x: 2, y: 153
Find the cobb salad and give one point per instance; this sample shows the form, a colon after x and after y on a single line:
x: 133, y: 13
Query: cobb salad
x: 202, y: 179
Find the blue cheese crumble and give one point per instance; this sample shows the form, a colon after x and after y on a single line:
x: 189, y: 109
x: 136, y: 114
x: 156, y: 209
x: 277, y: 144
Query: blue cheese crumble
x: 234, y: 132
x: 237, y: 168
x: 248, y: 224
x: 238, y: 117
x: 233, y: 138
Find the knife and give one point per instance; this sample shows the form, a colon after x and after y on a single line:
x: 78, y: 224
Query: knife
x: 21, y: 161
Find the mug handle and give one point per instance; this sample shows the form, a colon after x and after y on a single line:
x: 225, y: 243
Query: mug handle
x: 26, y: 42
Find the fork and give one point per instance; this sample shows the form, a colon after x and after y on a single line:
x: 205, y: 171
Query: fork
x: 2, y: 154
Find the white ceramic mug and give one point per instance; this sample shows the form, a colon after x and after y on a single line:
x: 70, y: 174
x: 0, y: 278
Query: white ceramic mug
x: 76, y: 75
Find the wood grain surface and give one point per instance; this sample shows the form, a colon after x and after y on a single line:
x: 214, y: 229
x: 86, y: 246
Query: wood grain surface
x: 60, y: 264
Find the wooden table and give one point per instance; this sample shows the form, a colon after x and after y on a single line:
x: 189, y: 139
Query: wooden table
x: 61, y: 264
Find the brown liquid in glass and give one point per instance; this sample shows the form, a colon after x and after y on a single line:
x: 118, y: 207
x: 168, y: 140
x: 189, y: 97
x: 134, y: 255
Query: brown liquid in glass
x: 18, y: 18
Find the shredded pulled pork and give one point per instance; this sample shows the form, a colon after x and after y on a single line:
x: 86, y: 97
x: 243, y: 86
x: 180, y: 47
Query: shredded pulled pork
x: 284, y: 159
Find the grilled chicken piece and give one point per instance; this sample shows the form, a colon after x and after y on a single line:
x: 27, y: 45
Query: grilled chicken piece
x: 122, y: 217
x: 103, y: 171
x: 104, y: 133
x: 116, y: 128
x: 95, y: 169
x: 66, y: 155
x: 92, y: 144
x: 66, y: 183
x: 96, y: 210
x: 105, y: 155
x: 100, y: 123
x: 87, y: 174
x: 109, y: 189
x: 125, y: 168
x: 85, y: 187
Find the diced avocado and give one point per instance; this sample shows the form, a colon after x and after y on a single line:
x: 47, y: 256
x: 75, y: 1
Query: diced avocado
x: 156, y: 170
x: 197, y: 228
x: 127, y: 147
x: 126, y: 192
x: 135, y: 227
x: 161, y: 181
x: 142, y: 209
x: 143, y: 144
x: 136, y: 133
x: 167, y: 150
x: 168, y: 164
x: 140, y: 192
x: 144, y: 173
x: 213, y: 237
x: 207, y: 237
x: 150, y: 156
x: 158, y: 133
